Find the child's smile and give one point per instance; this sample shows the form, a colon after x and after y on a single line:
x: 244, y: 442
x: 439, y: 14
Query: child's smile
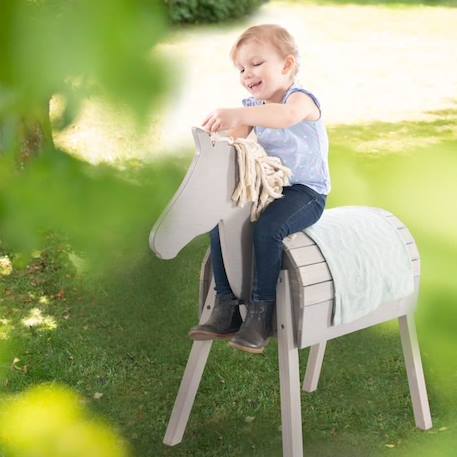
x: 255, y: 86
x: 262, y: 71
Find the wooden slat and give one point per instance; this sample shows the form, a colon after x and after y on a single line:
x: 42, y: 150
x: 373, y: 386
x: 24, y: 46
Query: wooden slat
x: 317, y: 293
x: 416, y: 267
x: 313, y: 274
x: 413, y: 251
x: 298, y: 240
x: 406, y: 235
x: 307, y: 255
x: 317, y: 319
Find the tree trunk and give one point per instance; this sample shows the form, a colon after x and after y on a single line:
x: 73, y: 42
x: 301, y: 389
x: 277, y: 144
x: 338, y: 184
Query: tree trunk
x: 35, y: 135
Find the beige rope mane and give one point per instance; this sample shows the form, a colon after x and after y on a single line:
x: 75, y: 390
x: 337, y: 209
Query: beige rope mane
x: 261, y: 177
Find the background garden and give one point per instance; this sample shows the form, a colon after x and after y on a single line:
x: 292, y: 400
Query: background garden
x: 97, y: 101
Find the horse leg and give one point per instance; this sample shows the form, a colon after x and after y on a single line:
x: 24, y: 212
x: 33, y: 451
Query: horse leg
x: 190, y: 380
x: 313, y: 367
x: 289, y: 376
x: 415, y: 372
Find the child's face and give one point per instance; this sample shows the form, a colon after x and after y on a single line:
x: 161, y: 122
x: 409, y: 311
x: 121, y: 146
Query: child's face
x: 260, y: 64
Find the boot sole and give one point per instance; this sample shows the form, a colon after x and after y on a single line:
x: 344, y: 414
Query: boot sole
x: 247, y: 348
x: 206, y: 336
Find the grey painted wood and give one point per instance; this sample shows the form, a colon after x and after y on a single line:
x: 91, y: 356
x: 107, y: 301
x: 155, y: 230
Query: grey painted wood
x: 316, y: 323
x: 190, y: 381
x: 289, y: 375
x: 305, y: 292
x: 235, y: 232
x: 206, y: 274
x: 315, y: 283
x: 202, y: 201
x: 314, y: 366
x: 415, y: 372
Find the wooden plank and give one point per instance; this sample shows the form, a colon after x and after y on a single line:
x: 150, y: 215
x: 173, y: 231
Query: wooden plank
x: 307, y: 255
x: 406, y: 235
x: 314, y: 366
x: 317, y: 325
x: 289, y: 373
x: 205, y: 279
x: 318, y: 293
x: 315, y: 273
x: 298, y: 240
x: 416, y: 380
x: 416, y: 267
x: 190, y: 380
x: 317, y: 320
x: 413, y: 251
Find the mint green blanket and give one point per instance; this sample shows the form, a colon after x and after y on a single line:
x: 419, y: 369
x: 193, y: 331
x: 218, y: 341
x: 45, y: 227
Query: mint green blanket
x: 367, y: 258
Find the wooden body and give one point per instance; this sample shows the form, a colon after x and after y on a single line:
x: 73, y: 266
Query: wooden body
x: 312, y: 289
x: 305, y: 294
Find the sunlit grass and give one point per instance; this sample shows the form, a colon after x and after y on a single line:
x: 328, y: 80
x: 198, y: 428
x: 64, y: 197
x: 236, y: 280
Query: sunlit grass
x: 374, y: 63
x: 121, y: 340
x: 36, y: 319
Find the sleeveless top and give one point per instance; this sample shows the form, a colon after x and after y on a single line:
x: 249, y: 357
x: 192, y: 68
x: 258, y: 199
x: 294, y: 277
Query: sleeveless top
x: 303, y: 147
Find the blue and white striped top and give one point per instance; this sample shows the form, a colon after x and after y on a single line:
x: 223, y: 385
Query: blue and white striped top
x: 303, y: 147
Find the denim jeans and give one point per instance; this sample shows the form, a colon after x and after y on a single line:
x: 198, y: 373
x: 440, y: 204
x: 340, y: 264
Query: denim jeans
x: 299, y: 208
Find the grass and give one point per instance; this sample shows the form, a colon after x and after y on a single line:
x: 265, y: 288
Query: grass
x: 124, y: 335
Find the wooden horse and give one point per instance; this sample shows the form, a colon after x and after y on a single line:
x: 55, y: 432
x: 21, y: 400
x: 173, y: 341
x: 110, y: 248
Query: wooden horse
x: 305, y: 291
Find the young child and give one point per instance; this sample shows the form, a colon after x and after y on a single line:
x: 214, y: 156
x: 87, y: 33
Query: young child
x: 287, y: 121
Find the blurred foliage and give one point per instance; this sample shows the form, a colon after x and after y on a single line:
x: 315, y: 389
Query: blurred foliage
x: 77, y: 48
x: 51, y: 421
x: 107, y: 213
x: 206, y: 11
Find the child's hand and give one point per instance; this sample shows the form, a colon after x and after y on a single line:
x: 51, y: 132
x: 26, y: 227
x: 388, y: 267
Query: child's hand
x: 222, y: 119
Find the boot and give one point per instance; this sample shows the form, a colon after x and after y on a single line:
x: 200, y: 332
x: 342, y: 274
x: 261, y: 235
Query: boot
x: 256, y: 330
x: 225, y: 320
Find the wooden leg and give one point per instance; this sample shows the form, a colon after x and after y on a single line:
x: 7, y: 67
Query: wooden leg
x: 190, y: 381
x: 313, y: 367
x: 415, y: 372
x: 289, y: 376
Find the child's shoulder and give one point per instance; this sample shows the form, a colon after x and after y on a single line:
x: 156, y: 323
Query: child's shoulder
x: 299, y: 88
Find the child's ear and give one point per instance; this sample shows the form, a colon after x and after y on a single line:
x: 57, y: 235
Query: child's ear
x: 289, y: 63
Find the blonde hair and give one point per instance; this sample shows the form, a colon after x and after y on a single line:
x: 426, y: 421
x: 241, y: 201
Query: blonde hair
x: 274, y: 34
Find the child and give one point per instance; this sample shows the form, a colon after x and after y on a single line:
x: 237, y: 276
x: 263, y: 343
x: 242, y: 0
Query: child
x: 287, y: 122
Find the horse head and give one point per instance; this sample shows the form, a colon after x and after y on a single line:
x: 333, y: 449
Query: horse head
x: 202, y: 201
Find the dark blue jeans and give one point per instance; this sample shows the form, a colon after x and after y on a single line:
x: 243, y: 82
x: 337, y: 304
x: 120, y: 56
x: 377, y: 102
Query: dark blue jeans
x: 300, y: 207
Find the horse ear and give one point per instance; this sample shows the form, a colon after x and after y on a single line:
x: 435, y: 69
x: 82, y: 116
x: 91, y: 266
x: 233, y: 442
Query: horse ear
x: 202, y: 140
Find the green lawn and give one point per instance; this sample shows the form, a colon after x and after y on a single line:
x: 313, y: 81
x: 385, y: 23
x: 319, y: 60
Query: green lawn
x: 123, y: 335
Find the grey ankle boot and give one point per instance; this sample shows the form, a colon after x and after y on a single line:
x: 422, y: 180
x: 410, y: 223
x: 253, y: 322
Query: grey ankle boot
x: 257, y: 328
x: 225, y: 320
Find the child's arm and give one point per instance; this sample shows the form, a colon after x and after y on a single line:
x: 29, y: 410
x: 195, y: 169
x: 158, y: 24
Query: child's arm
x: 298, y: 107
x: 240, y: 132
